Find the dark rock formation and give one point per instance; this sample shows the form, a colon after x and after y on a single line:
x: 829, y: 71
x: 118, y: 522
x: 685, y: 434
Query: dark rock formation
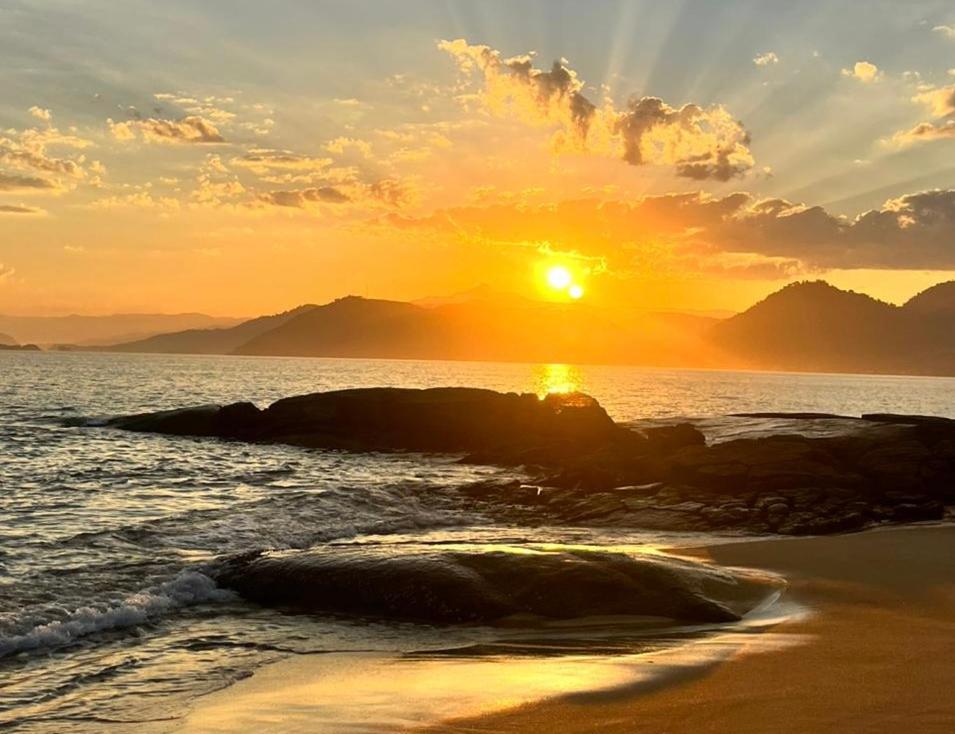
x: 584, y: 469
x: 483, y: 584
x: 390, y: 419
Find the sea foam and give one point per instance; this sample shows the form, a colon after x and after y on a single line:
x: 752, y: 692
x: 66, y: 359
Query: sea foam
x: 186, y: 589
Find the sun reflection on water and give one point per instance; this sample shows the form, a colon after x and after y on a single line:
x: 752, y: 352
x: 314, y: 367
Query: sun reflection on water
x: 557, y: 378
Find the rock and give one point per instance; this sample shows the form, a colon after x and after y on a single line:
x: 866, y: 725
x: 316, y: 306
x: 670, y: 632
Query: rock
x: 670, y: 438
x: 434, y: 585
x: 434, y: 420
x: 580, y: 467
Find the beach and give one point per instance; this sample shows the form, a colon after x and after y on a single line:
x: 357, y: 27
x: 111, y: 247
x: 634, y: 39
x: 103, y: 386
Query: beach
x: 873, y: 654
x: 877, y: 655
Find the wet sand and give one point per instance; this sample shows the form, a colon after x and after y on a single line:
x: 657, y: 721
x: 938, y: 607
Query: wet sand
x: 875, y: 655
x: 879, y: 654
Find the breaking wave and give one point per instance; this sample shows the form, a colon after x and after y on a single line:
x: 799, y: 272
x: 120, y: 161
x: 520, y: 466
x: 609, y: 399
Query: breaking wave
x: 186, y: 589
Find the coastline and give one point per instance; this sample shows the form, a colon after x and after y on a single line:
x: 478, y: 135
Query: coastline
x: 874, y: 655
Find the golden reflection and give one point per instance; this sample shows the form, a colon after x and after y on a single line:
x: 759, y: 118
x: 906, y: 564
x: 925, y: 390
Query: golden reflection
x: 557, y: 378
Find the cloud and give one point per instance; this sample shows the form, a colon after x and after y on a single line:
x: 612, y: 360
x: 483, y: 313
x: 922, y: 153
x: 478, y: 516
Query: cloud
x: 766, y: 59
x: 263, y: 161
x: 192, y: 129
x: 29, y: 151
x: 6, y: 272
x: 946, y: 30
x: 941, y: 101
x: 16, y: 182
x: 19, y: 209
x: 302, y: 198
x: 389, y: 192
x: 41, y: 114
x: 915, y: 231
x: 941, y: 104
x: 863, y: 71
x: 698, y: 142
x: 924, y: 132
x: 340, y: 145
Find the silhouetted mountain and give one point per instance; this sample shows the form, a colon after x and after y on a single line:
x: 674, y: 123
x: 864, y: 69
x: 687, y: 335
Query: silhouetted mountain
x: 504, y: 330
x: 809, y: 326
x: 939, y: 300
x: 815, y: 326
x: 7, y: 340
x: 93, y: 330
x: 209, y: 341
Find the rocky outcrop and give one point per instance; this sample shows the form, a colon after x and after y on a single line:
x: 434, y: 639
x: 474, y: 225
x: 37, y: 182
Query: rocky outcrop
x: 487, y: 583
x: 585, y: 469
x: 502, y: 425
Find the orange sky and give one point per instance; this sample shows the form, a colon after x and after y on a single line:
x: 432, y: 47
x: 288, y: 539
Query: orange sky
x: 245, y: 167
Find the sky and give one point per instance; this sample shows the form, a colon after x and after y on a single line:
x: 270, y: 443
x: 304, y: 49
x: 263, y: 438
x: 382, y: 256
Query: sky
x: 240, y: 158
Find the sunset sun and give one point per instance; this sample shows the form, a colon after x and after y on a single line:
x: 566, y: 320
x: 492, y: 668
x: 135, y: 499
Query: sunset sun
x: 559, y: 277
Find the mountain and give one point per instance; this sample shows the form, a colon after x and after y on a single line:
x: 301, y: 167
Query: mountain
x: 92, y: 330
x: 939, y: 300
x: 492, y: 330
x: 7, y: 341
x: 814, y: 326
x: 208, y: 341
x: 806, y: 326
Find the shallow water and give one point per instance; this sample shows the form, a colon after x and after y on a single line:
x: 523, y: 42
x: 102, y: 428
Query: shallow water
x: 105, y: 614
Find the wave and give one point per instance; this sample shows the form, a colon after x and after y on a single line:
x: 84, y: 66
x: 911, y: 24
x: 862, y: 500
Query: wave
x: 186, y: 589
x: 477, y: 584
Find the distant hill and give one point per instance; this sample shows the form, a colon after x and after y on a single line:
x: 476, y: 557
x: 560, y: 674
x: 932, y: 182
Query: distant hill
x: 807, y: 326
x: 502, y: 330
x: 92, y: 330
x: 817, y: 327
x: 7, y: 341
x: 19, y: 348
x: 939, y: 300
x: 208, y: 341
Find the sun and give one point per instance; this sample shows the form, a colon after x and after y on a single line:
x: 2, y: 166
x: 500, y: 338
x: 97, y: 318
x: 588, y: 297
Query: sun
x: 575, y: 291
x: 559, y: 277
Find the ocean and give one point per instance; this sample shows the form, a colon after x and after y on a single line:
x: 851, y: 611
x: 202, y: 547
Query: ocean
x: 108, y: 615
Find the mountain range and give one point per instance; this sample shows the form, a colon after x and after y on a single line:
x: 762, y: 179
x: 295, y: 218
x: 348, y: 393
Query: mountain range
x: 806, y: 326
x: 98, y: 330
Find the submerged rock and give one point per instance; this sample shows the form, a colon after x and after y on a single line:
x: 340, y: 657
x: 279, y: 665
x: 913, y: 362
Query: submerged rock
x: 488, y: 583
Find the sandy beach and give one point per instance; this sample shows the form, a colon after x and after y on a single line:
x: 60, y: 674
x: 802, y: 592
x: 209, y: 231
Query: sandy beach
x: 878, y: 655
x: 874, y: 655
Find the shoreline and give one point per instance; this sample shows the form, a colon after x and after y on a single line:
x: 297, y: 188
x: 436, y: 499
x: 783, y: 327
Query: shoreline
x: 871, y: 656
x: 875, y: 655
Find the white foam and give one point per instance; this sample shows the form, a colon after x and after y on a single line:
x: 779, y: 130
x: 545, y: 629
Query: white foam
x: 187, y: 588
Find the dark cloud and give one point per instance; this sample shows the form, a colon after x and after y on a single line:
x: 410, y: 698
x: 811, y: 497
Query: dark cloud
x: 18, y: 209
x: 16, y: 182
x: 302, y: 198
x: 915, y: 231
